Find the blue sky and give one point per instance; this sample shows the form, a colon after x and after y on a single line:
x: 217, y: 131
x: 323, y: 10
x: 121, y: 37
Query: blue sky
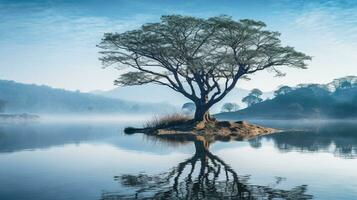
x: 53, y: 42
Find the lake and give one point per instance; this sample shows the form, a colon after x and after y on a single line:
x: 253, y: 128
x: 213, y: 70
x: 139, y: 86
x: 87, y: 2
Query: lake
x: 96, y: 160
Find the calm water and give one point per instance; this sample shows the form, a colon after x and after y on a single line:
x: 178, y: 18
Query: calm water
x: 97, y: 161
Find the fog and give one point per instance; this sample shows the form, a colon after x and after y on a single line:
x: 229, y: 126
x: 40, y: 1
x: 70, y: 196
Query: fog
x: 140, y: 119
x: 302, y: 124
x: 95, y: 118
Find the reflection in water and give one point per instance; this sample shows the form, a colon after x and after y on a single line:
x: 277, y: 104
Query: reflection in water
x: 339, y: 139
x: 21, y: 137
x: 24, y: 137
x: 57, y: 167
x: 203, y: 176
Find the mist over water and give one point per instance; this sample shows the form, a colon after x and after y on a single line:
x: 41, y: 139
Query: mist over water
x: 95, y: 118
x: 304, y: 124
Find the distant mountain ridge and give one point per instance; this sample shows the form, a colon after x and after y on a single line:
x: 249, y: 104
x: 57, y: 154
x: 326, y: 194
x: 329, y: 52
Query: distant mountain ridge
x: 19, y: 97
x: 161, y: 94
x: 337, y: 100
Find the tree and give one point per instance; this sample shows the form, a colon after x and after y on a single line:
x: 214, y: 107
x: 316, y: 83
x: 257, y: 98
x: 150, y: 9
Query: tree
x: 229, y: 107
x: 202, y: 176
x: 283, y: 91
x: 253, y: 97
x: 188, y: 107
x: 344, y: 85
x: 256, y: 92
x: 250, y: 100
x: 200, y: 58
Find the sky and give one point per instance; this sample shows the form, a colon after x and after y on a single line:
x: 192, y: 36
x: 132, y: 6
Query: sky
x: 53, y: 42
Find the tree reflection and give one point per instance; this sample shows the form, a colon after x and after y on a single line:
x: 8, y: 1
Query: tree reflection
x: 203, y: 176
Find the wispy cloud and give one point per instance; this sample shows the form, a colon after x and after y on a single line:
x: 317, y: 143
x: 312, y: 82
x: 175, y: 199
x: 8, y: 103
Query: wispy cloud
x: 54, y: 37
x: 24, y: 23
x: 333, y: 21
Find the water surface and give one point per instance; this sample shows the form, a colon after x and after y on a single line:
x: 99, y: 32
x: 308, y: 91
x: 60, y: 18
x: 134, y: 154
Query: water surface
x: 88, y: 160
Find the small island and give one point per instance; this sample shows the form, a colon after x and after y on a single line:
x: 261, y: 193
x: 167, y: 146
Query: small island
x: 177, y: 127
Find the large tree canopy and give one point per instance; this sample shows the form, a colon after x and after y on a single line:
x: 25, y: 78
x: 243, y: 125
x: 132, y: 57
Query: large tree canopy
x: 200, y: 58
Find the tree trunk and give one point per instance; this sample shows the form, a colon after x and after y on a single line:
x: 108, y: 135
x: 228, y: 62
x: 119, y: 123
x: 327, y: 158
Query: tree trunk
x: 202, y: 110
x: 202, y: 114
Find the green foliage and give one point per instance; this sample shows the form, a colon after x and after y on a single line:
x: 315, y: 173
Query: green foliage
x: 253, y: 97
x: 309, y: 101
x: 191, y: 55
x: 345, y: 85
x: 229, y: 107
x: 256, y: 92
x: 283, y: 90
x: 132, y: 78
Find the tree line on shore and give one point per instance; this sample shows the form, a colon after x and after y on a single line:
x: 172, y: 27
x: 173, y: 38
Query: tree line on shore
x: 341, y: 90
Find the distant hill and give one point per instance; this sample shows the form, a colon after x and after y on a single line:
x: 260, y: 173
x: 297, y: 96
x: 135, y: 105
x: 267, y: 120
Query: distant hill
x: 162, y: 94
x: 31, y: 98
x: 151, y: 93
x: 305, y: 101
